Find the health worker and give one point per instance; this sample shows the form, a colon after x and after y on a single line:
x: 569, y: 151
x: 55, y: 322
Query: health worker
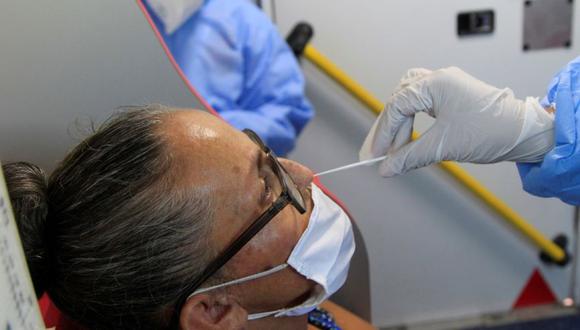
x: 479, y: 123
x: 230, y: 51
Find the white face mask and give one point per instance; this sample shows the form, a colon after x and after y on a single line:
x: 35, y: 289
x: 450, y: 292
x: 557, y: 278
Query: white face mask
x: 173, y: 13
x: 322, y: 255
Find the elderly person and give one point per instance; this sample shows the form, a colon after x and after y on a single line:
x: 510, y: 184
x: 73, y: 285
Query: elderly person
x: 167, y: 219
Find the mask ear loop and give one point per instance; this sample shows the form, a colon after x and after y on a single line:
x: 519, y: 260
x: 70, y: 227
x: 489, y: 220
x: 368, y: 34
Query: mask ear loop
x: 310, y: 302
x: 241, y: 280
x: 258, y: 316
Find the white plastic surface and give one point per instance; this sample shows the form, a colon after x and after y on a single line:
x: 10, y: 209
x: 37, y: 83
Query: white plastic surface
x: 18, y: 306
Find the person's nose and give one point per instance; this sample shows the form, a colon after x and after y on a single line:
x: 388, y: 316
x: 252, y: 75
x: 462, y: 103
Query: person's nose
x: 301, y: 174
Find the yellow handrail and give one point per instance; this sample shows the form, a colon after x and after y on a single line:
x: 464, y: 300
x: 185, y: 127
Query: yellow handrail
x: 461, y: 175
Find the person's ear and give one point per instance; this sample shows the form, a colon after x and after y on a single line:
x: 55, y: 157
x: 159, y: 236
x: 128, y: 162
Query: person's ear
x: 212, y: 312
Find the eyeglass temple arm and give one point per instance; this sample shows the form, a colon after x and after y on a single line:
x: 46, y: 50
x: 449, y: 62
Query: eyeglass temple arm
x: 242, y: 240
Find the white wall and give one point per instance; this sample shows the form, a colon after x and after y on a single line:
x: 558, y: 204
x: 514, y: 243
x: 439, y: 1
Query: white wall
x: 376, y: 41
x: 435, y: 253
x: 68, y: 63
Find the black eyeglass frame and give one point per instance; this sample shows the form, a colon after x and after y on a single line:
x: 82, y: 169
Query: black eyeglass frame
x: 281, y: 202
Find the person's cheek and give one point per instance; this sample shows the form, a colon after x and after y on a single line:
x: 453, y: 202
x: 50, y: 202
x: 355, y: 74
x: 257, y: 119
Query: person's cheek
x: 302, y: 220
x: 277, y: 239
x: 290, y: 230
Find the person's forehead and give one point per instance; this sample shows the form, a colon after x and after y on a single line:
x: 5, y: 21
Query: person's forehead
x: 214, y: 154
x: 206, y: 137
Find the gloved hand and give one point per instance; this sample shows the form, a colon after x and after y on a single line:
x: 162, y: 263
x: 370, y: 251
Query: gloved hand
x: 475, y: 122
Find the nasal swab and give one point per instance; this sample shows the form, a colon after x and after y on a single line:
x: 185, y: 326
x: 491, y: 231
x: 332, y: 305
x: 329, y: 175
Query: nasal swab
x: 346, y: 167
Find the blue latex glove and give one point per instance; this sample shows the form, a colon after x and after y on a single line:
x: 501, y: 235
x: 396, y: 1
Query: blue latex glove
x: 558, y: 175
x: 234, y: 56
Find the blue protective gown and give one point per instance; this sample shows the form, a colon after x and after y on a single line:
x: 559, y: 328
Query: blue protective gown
x: 558, y: 175
x: 233, y: 55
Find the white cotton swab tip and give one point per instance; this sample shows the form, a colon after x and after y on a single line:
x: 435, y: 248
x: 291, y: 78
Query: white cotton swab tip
x: 357, y: 164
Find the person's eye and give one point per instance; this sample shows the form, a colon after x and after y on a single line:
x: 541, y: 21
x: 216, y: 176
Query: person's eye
x: 267, y: 194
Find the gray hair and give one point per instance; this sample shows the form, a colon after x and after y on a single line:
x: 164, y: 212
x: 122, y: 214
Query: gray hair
x: 108, y: 235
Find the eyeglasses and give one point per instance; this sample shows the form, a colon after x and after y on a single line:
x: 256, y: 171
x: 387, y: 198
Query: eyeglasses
x: 290, y: 195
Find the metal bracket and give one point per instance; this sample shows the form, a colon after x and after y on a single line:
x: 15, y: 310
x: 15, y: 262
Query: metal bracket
x: 547, y: 24
x: 562, y: 241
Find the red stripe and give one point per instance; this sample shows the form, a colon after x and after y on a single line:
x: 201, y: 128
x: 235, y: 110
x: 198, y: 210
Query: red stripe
x: 332, y: 196
x: 172, y: 59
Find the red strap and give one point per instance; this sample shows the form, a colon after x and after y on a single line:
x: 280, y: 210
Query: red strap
x: 51, y: 315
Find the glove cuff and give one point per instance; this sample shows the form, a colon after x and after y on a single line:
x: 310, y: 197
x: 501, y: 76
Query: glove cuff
x: 537, y: 134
